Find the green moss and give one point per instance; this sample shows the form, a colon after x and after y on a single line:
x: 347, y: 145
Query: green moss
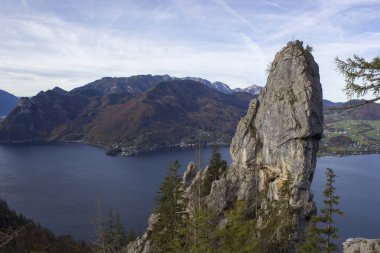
x: 253, y: 131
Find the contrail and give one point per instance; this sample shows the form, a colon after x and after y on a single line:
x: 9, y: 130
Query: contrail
x: 275, y: 5
x: 227, y: 8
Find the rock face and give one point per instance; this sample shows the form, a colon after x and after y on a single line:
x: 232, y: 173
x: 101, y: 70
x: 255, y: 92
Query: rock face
x: 361, y: 245
x: 25, y: 105
x: 279, y: 136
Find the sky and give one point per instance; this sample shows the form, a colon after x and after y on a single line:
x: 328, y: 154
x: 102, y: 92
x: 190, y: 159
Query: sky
x: 68, y: 43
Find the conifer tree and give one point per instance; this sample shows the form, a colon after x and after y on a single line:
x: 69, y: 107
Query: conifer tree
x: 215, y: 168
x: 131, y: 236
x: 313, y: 240
x: 120, y: 239
x: 202, y: 231
x: 328, y: 211
x: 115, y: 236
x: 109, y: 232
x: 169, y: 231
x: 361, y: 77
x: 319, y: 238
x: 239, y: 235
x: 278, y: 223
x: 286, y: 225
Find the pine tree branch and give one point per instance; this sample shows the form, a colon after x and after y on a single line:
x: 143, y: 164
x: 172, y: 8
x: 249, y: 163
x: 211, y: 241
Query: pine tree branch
x: 7, y: 237
x: 353, y: 106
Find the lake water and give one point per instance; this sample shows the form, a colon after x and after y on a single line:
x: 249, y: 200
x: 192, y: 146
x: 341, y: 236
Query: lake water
x: 57, y: 185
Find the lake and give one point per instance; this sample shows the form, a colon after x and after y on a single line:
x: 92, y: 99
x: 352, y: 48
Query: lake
x: 57, y: 185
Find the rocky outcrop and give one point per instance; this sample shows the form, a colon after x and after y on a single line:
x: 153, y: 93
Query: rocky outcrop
x: 25, y: 105
x: 361, y: 245
x: 189, y: 175
x: 279, y: 136
x: 142, y: 244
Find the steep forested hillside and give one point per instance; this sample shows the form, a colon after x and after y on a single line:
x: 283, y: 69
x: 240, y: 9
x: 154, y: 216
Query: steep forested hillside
x: 128, y: 114
x: 18, y: 234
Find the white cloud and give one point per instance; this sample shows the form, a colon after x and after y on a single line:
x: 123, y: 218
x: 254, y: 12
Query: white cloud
x: 229, y: 41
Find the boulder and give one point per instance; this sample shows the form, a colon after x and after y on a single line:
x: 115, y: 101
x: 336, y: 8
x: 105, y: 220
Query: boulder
x: 361, y: 245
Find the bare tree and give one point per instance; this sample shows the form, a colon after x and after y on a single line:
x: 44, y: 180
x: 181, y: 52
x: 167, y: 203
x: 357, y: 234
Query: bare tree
x: 9, y: 235
x: 100, y: 244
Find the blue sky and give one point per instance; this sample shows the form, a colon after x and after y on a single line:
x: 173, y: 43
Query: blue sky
x: 69, y: 43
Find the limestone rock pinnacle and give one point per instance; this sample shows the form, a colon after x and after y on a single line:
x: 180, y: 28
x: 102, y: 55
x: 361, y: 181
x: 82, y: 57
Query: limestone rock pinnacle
x: 279, y: 136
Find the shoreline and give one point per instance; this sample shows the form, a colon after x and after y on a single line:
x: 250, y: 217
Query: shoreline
x: 132, y: 151
x: 348, y: 153
x: 124, y: 151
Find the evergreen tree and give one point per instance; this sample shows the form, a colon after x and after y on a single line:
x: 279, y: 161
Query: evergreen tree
x: 120, y: 239
x: 278, y: 222
x: 239, y: 234
x: 169, y: 231
x: 202, y: 231
x: 313, y: 240
x: 216, y: 167
x: 131, y: 236
x: 286, y: 226
x: 320, y: 238
x: 328, y: 211
x: 109, y: 232
x: 115, y: 236
x: 361, y: 77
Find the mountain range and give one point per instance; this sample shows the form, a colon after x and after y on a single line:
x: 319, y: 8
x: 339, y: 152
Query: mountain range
x: 138, y: 84
x: 369, y: 111
x: 130, y: 114
x: 7, y: 102
x: 142, y: 113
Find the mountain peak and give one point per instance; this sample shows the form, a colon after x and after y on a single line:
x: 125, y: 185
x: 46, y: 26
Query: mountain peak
x: 60, y: 90
x: 7, y: 102
x: 252, y: 89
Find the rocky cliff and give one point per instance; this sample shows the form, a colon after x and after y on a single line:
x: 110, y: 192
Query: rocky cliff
x: 361, y: 245
x: 279, y: 136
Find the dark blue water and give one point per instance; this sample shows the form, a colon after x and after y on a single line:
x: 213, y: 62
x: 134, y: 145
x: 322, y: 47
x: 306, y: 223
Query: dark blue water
x: 358, y: 185
x: 57, y: 185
